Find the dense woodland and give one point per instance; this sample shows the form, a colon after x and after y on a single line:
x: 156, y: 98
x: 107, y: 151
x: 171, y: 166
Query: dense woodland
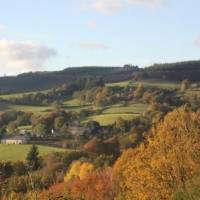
x: 153, y: 156
x: 173, y: 71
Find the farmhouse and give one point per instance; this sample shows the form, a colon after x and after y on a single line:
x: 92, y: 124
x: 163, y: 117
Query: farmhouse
x: 15, y: 139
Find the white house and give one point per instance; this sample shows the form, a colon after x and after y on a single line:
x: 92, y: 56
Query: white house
x: 15, y: 139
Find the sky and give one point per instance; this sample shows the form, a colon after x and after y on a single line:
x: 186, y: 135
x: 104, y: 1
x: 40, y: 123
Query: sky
x: 38, y: 35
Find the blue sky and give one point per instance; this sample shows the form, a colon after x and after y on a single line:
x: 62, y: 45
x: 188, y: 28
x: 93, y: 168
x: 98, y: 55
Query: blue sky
x: 52, y: 35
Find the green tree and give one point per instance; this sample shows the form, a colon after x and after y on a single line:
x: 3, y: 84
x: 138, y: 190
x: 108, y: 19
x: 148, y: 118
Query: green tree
x: 33, y: 160
x: 23, y: 119
x: 59, y: 122
x: 40, y: 130
x: 11, y: 128
x: 103, y: 161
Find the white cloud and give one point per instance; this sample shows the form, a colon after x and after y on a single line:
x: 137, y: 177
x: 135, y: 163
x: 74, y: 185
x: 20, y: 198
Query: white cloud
x: 93, y: 46
x: 107, y: 6
x: 111, y: 6
x: 19, y: 57
x: 92, y: 24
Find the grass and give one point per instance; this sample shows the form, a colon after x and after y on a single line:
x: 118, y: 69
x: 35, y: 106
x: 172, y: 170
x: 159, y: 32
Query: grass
x: 26, y: 128
x: 137, y: 108
x: 110, y: 114
x: 34, y: 109
x: 72, y: 103
x: 121, y: 84
x: 158, y: 84
x: 19, y: 95
x: 19, y: 152
x: 148, y: 83
x: 75, y: 105
x: 106, y: 119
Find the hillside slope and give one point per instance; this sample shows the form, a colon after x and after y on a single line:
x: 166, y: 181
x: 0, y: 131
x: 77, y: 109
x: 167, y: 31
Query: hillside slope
x: 38, y: 81
x: 46, y: 80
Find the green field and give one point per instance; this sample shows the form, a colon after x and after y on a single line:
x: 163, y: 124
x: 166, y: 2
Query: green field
x: 19, y: 95
x: 149, y: 83
x: 25, y: 108
x: 121, y: 84
x: 19, y: 152
x: 26, y: 128
x: 110, y: 114
x: 158, y: 84
x: 34, y: 109
x: 74, y: 104
x: 106, y: 119
x: 136, y: 108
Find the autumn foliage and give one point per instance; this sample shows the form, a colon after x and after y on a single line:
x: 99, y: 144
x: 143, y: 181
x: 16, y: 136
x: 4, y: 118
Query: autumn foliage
x: 165, y: 166
x: 98, y: 185
x: 79, y: 170
x: 166, y: 163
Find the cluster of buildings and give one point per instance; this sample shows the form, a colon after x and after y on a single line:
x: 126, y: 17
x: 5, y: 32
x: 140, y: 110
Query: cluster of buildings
x: 24, y: 138
x: 15, y: 139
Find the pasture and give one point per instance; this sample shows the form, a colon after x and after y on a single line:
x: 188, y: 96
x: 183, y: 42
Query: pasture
x: 106, y: 119
x: 19, y: 152
x: 158, y: 84
x: 19, y: 95
x: 147, y: 83
x: 134, y: 108
x: 34, y: 109
x: 110, y: 114
x: 75, y: 105
x: 121, y: 84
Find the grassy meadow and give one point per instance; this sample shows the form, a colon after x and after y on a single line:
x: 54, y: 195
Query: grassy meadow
x: 121, y: 84
x: 106, y: 119
x: 135, y: 108
x: 19, y: 152
x: 19, y: 95
x: 147, y: 83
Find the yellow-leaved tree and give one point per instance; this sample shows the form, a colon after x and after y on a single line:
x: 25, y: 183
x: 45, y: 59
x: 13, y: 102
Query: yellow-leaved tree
x: 164, y: 166
x: 79, y: 170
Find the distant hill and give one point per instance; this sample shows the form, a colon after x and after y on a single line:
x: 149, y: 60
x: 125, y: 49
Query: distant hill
x: 46, y: 80
x: 38, y: 81
x: 173, y: 71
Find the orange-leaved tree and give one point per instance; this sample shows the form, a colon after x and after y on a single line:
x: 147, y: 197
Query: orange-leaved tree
x: 97, y: 185
x: 166, y: 163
